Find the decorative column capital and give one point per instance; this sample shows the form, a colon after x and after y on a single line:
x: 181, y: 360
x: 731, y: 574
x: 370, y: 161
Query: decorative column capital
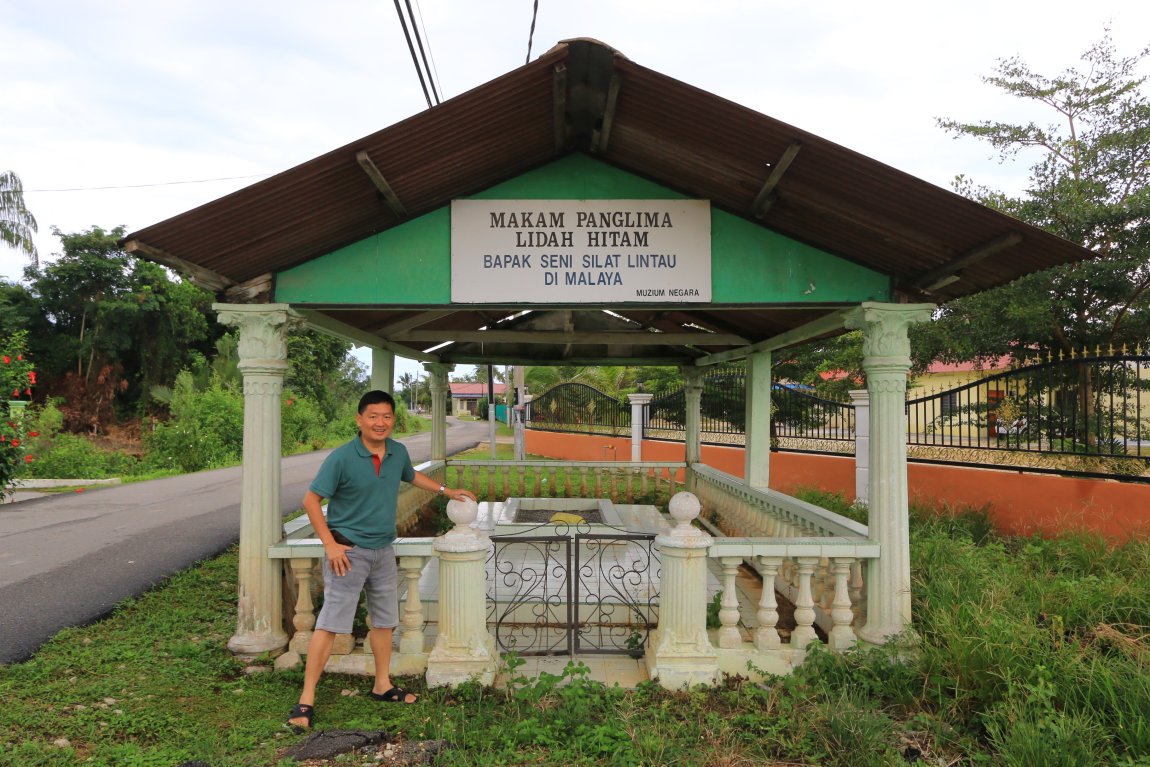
x: 639, y: 399
x: 692, y: 377
x: 884, y: 329
x: 437, y: 375
x: 263, y: 332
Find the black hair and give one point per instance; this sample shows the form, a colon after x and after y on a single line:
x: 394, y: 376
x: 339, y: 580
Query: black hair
x: 376, y: 397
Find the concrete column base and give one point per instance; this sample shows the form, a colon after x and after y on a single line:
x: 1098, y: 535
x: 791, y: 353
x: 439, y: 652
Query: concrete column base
x: 676, y: 670
x: 452, y: 666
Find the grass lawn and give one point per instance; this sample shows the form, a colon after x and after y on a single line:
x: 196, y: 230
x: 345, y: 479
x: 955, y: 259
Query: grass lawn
x: 1027, y: 653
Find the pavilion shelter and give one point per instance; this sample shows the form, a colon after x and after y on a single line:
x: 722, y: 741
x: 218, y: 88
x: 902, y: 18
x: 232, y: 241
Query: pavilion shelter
x: 579, y: 210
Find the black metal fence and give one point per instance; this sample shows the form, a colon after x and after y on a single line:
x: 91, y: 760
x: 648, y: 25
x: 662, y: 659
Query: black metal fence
x: 1088, y: 405
x: 1094, y: 407
x: 577, y: 407
x: 799, y: 414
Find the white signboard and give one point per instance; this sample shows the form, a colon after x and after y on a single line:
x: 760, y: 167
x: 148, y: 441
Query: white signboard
x: 580, y: 251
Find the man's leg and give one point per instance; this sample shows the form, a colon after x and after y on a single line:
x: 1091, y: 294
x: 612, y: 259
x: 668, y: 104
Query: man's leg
x: 318, y: 651
x: 381, y: 648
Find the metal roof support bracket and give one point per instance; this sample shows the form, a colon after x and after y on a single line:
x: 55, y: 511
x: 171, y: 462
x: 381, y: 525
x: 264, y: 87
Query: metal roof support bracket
x: 381, y: 184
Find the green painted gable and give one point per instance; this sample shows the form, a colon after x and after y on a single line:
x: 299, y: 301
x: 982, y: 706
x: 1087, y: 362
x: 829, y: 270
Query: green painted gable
x: 410, y: 264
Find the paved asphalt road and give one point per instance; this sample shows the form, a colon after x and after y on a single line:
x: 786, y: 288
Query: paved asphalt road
x: 68, y: 559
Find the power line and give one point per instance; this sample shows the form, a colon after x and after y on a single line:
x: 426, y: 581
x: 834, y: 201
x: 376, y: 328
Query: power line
x: 434, y: 72
x: 419, y: 42
x: 142, y: 186
x: 414, y: 56
x: 531, y: 34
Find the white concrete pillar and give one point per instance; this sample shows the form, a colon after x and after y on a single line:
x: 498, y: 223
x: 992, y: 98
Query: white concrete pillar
x: 679, y: 652
x: 638, y: 411
x: 382, y: 370
x: 693, y: 395
x: 860, y: 398
x: 886, y: 362
x: 437, y: 384
x: 757, y: 456
x: 263, y: 362
x: 464, y: 649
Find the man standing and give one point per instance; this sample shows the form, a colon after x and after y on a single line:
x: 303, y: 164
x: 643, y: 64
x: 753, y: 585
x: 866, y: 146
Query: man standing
x: 360, y: 481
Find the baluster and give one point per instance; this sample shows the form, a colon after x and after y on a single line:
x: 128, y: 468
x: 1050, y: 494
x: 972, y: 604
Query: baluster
x: 856, y: 592
x: 522, y: 470
x: 552, y: 490
x: 583, y: 482
x: 614, y: 491
x: 490, y: 482
x: 804, y: 605
x: 841, y: 636
x: 643, y: 483
x: 824, y: 584
x: 469, y: 478
x: 302, y: 570
x: 411, y: 639
x: 505, y: 472
x: 767, y: 633
x: 729, y: 636
x: 630, y: 476
x: 567, y: 472
x: 536, y: 489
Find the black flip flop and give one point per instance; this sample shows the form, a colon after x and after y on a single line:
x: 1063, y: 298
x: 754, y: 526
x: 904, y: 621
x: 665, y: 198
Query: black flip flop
x: 301, y: 711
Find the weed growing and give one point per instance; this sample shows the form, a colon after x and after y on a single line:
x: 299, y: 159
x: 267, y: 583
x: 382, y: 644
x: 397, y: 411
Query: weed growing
x: 1025, y: 652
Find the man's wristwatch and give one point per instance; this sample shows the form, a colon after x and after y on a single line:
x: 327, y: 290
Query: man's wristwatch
x: 442, y: 489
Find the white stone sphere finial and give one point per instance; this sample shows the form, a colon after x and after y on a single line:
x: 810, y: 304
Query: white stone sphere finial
x: 684, y: 508
x: 462, y: 513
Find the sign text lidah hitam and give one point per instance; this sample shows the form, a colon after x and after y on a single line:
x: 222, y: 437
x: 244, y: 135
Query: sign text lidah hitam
x: 580, y: 251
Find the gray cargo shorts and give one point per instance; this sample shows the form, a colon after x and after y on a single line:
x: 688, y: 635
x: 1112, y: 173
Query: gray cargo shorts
x: 373, y: 570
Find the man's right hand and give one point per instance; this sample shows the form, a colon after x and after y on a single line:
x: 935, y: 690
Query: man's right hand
x: 336, y: 554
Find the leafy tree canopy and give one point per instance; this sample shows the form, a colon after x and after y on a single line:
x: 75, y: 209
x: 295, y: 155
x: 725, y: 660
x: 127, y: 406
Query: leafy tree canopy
x: 1090, y: 186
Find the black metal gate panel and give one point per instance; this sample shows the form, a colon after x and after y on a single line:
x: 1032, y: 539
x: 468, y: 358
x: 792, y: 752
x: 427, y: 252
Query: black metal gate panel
x: 573, y: 592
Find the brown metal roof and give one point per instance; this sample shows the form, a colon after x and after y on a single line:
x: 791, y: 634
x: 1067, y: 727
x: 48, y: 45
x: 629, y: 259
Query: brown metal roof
x: 582, y: 96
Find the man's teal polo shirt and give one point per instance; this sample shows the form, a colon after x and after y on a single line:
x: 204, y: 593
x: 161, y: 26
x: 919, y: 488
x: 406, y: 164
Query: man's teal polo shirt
x: 360, y: 504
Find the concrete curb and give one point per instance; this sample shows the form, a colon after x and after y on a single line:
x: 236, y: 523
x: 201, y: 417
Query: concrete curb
x: 37, y: 484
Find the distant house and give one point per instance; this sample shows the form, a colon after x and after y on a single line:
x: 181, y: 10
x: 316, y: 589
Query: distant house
x: 465, y: 397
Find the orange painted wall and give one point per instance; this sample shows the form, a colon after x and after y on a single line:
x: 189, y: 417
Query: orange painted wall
x: 1024, y: 504
x: 1018, y: 503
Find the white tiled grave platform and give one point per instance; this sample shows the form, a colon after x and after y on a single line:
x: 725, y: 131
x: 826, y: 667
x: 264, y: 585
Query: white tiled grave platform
x: 496, y: 518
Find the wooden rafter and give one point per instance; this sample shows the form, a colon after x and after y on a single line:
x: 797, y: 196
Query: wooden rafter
x: 602, y: 134
x: 765, y: 198
x: 949, y: 272
x: 381, y: 184
x: 559, y: 106
x: 200, y: 275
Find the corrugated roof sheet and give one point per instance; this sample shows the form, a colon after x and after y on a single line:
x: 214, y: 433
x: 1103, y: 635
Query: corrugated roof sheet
x: 695, y: 142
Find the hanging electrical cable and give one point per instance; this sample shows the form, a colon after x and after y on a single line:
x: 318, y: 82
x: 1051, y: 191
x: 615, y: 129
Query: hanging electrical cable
x: 414, y: 57
x: 433, y: 70
x: 531, y: 34
x: 419, y: 42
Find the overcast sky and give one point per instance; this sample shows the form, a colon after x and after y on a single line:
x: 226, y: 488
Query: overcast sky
x: 131, y: 101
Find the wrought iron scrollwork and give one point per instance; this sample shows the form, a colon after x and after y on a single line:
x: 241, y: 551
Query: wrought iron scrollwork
x: 573, y: 591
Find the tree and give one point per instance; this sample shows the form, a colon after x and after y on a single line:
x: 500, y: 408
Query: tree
x: 1089, y: 186
x: 17, y: 225
x: 115, y: 326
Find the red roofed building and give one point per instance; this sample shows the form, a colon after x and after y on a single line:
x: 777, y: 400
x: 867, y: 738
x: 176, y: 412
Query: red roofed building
x: 465, y: 396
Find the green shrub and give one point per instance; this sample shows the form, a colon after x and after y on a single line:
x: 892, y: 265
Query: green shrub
x: 303, y: 425
x: 71, y: 456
